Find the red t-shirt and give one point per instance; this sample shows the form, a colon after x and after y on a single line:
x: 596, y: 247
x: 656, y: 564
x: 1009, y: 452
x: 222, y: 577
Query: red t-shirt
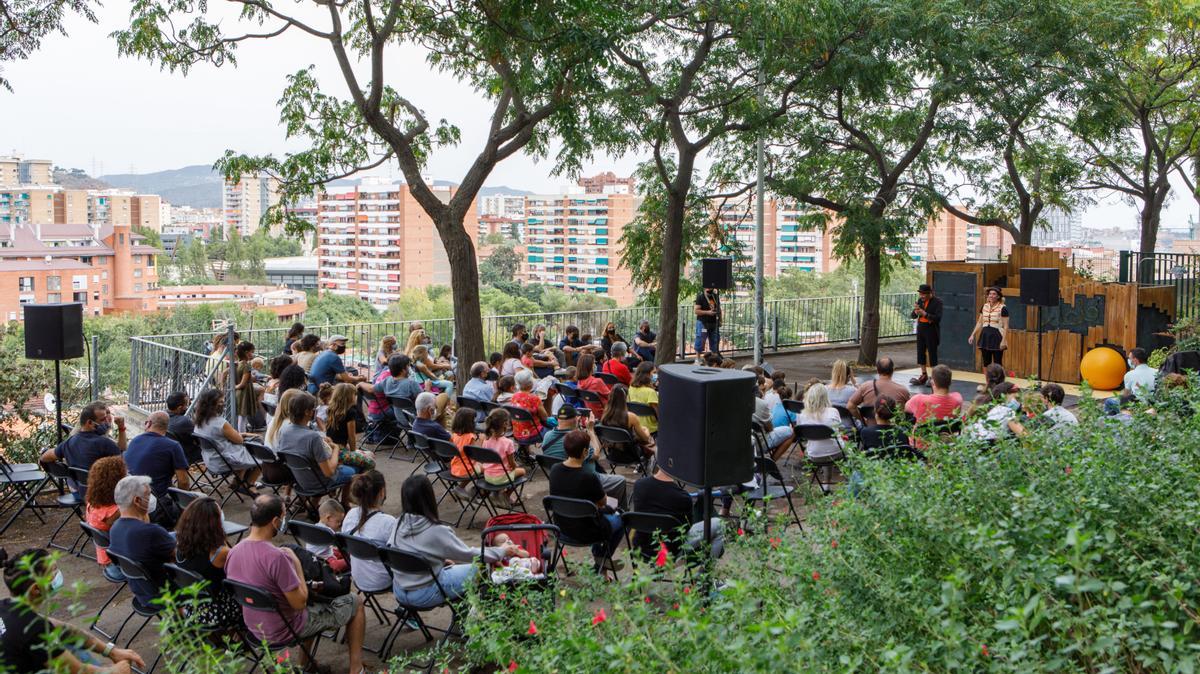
x: 523, y: 430
x: 597, y: 386
x: 617, y: 369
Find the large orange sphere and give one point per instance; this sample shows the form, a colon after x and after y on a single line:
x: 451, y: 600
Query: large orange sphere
x: 1103, y: 369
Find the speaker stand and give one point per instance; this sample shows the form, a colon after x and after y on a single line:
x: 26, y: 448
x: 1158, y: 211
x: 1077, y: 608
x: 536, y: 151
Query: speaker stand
x: 58, y: 401
x: 1039, y: 343
x: 708, y: 560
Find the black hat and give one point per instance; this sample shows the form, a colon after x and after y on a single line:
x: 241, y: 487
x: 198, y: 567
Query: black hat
x: 924, y: 288
x: 567, y: 412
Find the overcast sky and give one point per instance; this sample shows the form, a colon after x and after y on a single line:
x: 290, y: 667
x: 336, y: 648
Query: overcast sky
x: 76, y: 102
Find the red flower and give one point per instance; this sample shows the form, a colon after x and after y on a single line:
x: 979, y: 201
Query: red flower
x: 503, y: 595
x: 647, y: 600
x: 279, y: 659
x: 816, y: 575
x: 833, y: 544
x: 512, y: 665
x: 675, y: 606
x: 600, y: 617
x: 741, y: 531
x: 524, y: 601
x: 687, y: 590
x: 836, y: 502
x: 984, y: 650
x: 532, y: 631
x: 775, y: 542
x: 833, y: 524
x: 661, y: 560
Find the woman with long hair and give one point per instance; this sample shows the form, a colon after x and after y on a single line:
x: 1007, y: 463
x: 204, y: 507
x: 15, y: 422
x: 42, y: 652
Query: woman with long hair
x: 616, y: 413
x: 100, y: 509
x: 586, y: 382
x: 211, y: 425
x: 387, y: 347
x: 419, y: 531
x: 426, y: 374
x: 841, y: 383
x: 644, y: 389
x: 281, y: 416
x: 463, y: 432
x: 609, y: 337
x: 991, y: 329
x: 306, y: 351
x: 294, y: 334
x: 342, y: 421
x: 415, y: 339
x: 367, y: 520
x: 818, y: 411
x: 512, y: 360
x: 200, y: 547
x: 246, y: 394
x: 292, y: 377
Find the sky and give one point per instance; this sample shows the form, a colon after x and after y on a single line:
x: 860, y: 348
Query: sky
x: 79, y: 104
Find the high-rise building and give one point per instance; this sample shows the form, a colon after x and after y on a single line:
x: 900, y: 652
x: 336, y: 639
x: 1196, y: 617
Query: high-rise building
x: 246, y: 201
x: 502, y: 205
x: 198, y: 222
x: 1063, y: 228
x: 607, y: 183
x: 123, y: 207
x: 375, y: 240
x: 737, y: 221
x: 511, y: 227
x: 573, y: 242
x: 20, y: 171
x: 797, y: 244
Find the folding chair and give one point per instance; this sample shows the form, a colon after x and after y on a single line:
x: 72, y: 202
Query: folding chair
x: 227, y: 479
x: 768, y: 471
x: 793, y: 407
x: 359, y: 550
x: 274, y: 473
x: 397, y: 560
x: 547, y: 463
x: 100, y: 538
x: 259, y: 599
x: 404, y: 410
x: 195, y: 459
x: 135, y: 571
x: 19, y: 487
x: 620, y: 448
x: 66, y: 499
x: 809, y: 432
x: 445, y: 452
x: 579, y: 512
x: 847, y: 418
x: 520, y: 414
x: 484, y: 489
x: 868, y: 414
x: 608, y: 378
x: 666, y: 528
x: 306, y: 496
x: 207, y: 592
x: 183, y: 498
x: 590, y: 398
x: 642, y: 410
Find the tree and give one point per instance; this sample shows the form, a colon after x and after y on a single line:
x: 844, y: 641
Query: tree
x: 539, y: 74
x: 850, y: 148
x: 1140, y: 110
x: 688, y: 79
x: 23, y: 24
x: 501, y: 265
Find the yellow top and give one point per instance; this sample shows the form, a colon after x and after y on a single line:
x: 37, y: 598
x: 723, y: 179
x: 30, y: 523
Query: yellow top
x: 647, y: 396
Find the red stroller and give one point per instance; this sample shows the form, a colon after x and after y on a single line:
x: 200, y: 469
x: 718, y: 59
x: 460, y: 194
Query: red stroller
x: 532, y: 535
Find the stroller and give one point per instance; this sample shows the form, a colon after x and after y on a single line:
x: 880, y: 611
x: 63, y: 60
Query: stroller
x: 532, y: 535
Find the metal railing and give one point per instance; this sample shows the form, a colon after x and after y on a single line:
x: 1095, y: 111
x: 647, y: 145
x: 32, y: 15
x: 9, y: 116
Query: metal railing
x: 1181, y: 270
x: 162, y: 364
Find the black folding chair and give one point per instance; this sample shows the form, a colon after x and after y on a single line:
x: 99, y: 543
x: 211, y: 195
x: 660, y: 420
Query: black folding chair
x: 445, y: 452
x: 184, y: 497
x: 221, y: 479
x: 260, y: 599
x: 397, y: 560
x: 547, y: 463
x: 771, y: 486
x: 66, y: 500
x: 195, y: 459
x: 522, y: 415
x: 810, y: 432
x: 580, y: 513
x: 404, y: 411
x: 484, y: 489
x: 206, y: 592
x: 306, y: 497
x: 621, y: 448
x: 590, y: 398
x: 665, y: 528
x: 19, y: 487
x: 642, y: 410
x: 360, y: 550
x: 608, y: 378
x: 793, y: 407
x: 847, y: 418
x: 100, y: 538
x: 274, y: 473
x: 135, y: 571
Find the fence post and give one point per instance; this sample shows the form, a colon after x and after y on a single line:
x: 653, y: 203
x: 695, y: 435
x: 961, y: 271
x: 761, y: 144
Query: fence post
x: 230, y: 377
x: 682, y: 339
x: 774, y: 331
x: 858, y: 307
x: 134, y: 385
x: 1123, y: 273
x: 95, y: 367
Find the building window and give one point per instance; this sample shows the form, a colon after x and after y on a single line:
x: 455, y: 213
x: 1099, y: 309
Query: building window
x: 53, y: 283
x: 79, y: 297
x: 137, y: 273
x: 137, y: 287
x: 121, y: 238
x: 25, y: 284
x: 54, y: 298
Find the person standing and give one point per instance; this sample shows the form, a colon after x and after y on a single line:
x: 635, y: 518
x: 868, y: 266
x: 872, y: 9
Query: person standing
x: 928, y: 314
x: 991, y: 329
x: 708, y: 321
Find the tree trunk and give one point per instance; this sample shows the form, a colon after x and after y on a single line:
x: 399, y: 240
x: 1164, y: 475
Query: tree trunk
x: 1149, y: 220
x: 1025, y: 229
x: 672, y: 249
x: 464, y: 284
x: 868, y: 344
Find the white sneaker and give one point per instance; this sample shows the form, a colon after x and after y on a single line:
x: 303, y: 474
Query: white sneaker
x: 698, y: 361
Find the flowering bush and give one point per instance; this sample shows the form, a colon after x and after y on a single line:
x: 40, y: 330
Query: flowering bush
x: 1053, y: 552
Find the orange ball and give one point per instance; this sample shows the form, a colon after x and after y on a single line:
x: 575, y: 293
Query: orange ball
x: 1103, y: 369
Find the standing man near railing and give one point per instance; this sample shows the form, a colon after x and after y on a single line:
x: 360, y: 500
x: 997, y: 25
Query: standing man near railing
x: 928, y: 314
x: 708, y: 320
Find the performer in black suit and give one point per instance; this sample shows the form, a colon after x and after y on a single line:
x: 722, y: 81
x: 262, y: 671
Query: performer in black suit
x: 928, y: 314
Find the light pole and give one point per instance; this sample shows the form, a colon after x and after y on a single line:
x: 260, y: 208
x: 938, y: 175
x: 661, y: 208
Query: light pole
x: 758, y: 229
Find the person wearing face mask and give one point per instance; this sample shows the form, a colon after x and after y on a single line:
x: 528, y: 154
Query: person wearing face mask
x: 644, y: 389
x: 89, y: 442
x: 257, y: 561
x: 328, y: 367
x: 135, y: 537
x: 160, y: 458
x: 25, y: 646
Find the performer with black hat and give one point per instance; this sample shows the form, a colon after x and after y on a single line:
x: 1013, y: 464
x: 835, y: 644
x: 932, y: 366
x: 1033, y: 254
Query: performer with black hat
x: 928, y: 314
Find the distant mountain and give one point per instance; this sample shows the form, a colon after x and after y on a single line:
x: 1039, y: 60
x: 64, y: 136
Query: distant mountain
x: 492, y: 191
x: 77, y: 179
x: 197, y: 186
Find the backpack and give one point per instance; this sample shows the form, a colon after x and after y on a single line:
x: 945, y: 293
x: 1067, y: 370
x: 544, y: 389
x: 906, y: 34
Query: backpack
x: 333, y: 585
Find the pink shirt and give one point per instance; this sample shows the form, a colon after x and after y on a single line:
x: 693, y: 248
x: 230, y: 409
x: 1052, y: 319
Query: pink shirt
x: 925, y: 406
x: 505, y: 447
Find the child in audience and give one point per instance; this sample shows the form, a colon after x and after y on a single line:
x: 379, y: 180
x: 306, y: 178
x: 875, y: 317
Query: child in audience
x: 497, y: 426
x: 324, y: 395
x: 332, y: 513
x: 521, y: 558
x: 462, y: 433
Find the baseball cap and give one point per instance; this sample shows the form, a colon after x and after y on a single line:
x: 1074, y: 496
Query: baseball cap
x: 567, y: 412
x: 338, y: 338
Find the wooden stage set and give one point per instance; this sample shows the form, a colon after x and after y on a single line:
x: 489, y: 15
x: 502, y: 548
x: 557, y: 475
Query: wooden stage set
x: 1089, y: 314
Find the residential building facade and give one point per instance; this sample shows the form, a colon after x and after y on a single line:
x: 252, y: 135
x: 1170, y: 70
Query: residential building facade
x: 502, y: 206
x: 246, y: 201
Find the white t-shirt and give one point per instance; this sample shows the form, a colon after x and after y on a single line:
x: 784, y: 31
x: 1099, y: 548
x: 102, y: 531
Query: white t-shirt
x: 1062, y: 418
x: 1141, y: 381
x: 771, y: 398
x: 994, y: 425
x: 510, y: 367
x: 369, y: 574
x: 821, y: 448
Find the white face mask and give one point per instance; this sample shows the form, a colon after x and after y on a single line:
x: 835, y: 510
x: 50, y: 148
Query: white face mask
x: 1130, y: 361
x: 153, y: 505
x: 57, y: 582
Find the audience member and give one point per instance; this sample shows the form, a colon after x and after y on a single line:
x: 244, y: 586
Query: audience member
x: 294, y: 334
x: 200, y: 547
x: 544, y: 348
x: 426, y: 407
x: 1141, y: 378
x: 160, y: 458
x: 479, y: 388
x: 519, y: 334
x: 569, y: 479
x: 134, y: 537
x: 230, y: 453
x: 942, y: 403
x: 420, y: 532
x: 506, y: 387
x: 330, y: 516
x: 496, y: 427
x: 463, y: 433
x: 573, y: 346
x: 257, y: 561
x: 512, y: 360
x: 584, y: 381
x: 645, y: 342
x: 841, y: 383
x: 615, y: 365
x: 89, y: 442
x: 309, y: 348
x: 542, y: 366
x: 100, y: 507
x: 342, y: 425
x: 427, y: 374
x: 281, y: 417
x: 246, y: 396
x: 882, y: 385
x: 526, y: 399
x: 883, y: 435
x: 643, y: 388
x: 328, y: 367
x: 180, y: 424
x: 387, y: 349
x: 554, y: 445
x: 617, y: 415
x: 608, y: 337
x: 494, y: 362
x: 659, y: 494
x: 818, y: 411
x: 1055, y: 417
x: 324, y: 395
x: 293, y: 377
x: 297, y: 439
x: 994, y: 424
x: 367, y: 520
x: 31, y: 642
x: 271, y: 390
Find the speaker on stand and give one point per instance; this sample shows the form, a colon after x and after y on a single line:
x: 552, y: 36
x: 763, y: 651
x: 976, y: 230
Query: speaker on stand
x: 54, y: 332
x: 717, y: 272
x: 1039, y: 288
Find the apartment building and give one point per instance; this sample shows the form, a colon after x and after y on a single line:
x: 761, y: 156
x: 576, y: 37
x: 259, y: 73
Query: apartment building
x: 52, y: 204
x: 607, y: 183
x: 374, y: 241
x: 20, y: 171
x: 287, y: 304
x: 198, y: 222
x: 123, y: 207
x: 107, y: 268
x: 246, y: 201
x: 511, y: 227
x: 502, y: 206
x: 573, y: 242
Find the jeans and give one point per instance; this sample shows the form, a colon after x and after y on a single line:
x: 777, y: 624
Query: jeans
x: 453, y: 579
x: 342, y: 476
x: 618, y: 533
x: 695, y: 537
x: 444, y: 385
x: 714, y: 339
x: 113, y: 572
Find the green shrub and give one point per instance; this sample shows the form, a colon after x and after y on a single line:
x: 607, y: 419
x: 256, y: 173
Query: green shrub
x: 1052, y: 553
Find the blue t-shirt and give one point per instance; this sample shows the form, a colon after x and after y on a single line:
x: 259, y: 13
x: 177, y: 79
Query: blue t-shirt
x: 157, y: 457
x: 431, y: 429
x: 325, y: 369
x: 82, y: 450
x: 781, y: 417
x: 148, y: 544
x: 399, y: 387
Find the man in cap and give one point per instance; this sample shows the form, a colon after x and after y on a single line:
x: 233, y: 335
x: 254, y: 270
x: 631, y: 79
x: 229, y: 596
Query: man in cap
x: 328, y: 367
x: 928, y: 314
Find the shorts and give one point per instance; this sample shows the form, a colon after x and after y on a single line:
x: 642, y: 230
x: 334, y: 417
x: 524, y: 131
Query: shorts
x: 342, y: 476
x: 500, y: 480
x: 778, y: 435
x: 331, y: 616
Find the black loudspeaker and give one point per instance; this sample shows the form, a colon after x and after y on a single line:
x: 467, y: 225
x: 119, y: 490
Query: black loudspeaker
x: 1039, y: 286
x: 717, y: 272
x: 704, y: 424
x: 54, y: 331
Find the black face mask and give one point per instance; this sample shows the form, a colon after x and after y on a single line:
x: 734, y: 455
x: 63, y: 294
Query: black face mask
x: 339, y: 349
